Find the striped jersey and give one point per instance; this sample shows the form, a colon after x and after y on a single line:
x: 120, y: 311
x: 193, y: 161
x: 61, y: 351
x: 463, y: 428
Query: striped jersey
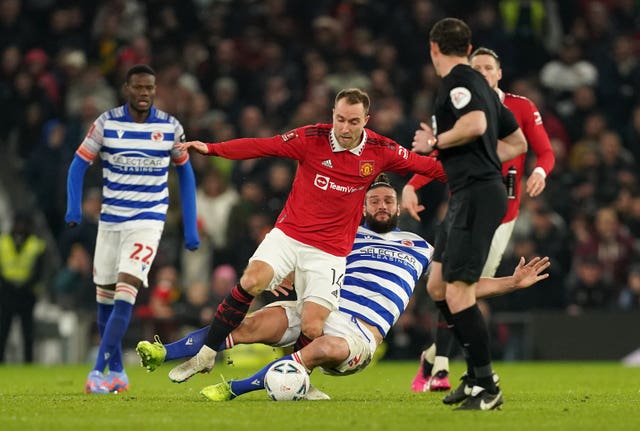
x: 382, y: 271
x: 135, y: 166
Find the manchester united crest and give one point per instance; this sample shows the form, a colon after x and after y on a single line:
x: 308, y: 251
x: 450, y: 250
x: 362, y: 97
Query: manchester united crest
x: 366, y: 168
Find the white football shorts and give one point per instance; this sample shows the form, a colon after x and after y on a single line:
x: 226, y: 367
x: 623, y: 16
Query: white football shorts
x: 361, y: 342
x: 498, y: 246
x: 318, y: 274
x: 128, y: 251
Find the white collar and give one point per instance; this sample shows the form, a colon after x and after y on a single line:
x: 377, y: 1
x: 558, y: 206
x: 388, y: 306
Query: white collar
x: 500, y: 94
x: 336, y: 147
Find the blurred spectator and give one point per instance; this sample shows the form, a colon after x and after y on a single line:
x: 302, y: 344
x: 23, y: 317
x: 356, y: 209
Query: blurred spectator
x: 632, y: 133
x: 16, y: 27
x: 225, y: 98
x: 569, y: 71
x: 159, y: 312
x: 128, y: 15
x: 29, y: 109
x: 576, y: 110
x: 90, y: 82
x: 633, y: 221
x: 550, y: 234
x: 198, y: 305
x: 21, y: 269
x: 615, y: 163
x: 534, y: 27
x: 214, y: 200
x: 629, y: 299
x: 73, y: 287
x: 45, y: 170
x: 278, y: 102
x: 194, y: 309
x: 612, y: 246
x: 87, y: 230
x: 278, y: 186
x: 37, y: 65
x: 196, y: 264
x: 105, y: 45
x: 257, y: 225
x: 619, y: 81
x: 223, y: 278
x: 589, y: 289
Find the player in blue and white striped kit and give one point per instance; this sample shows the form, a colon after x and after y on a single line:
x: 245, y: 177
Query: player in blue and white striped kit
x: 136, y: 143
x: 382, y: 270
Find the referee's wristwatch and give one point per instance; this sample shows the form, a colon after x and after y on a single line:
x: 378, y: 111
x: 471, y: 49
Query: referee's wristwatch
x: 433, y: 142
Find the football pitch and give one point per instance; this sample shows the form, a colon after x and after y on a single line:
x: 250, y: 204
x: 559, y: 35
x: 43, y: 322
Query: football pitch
x: 538, y: 396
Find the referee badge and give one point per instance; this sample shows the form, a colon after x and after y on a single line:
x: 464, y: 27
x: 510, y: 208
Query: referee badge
x: 460, y: 97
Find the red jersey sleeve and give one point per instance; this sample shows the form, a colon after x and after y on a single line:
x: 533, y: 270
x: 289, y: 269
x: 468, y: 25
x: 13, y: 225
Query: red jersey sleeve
x: 407, y: 161
x: 418, y: 181
x: 536, y: 136
x: 289, y: 145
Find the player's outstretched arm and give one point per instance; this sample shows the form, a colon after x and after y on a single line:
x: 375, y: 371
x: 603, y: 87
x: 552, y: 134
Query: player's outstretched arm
x: 199, y: 146
x: 524, y: 275
x: 410, y: 202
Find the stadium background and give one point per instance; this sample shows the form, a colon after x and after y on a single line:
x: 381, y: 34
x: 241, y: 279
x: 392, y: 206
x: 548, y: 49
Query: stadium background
x: 231, y: 69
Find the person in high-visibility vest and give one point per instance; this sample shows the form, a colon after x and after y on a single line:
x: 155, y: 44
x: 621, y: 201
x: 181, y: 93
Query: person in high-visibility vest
x: 21, y: 262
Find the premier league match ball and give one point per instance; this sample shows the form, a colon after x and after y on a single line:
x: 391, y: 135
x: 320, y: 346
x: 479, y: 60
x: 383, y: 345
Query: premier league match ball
x: 286, y: 380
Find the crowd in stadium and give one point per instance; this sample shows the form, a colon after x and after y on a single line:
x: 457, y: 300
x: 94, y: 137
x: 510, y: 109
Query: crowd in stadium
x: 250, y: 68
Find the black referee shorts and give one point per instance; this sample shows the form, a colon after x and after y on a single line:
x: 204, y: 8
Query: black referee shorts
x: 464, y: 237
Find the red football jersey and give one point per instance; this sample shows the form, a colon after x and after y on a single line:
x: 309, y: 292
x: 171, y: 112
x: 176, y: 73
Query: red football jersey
x: 325, y: 205
x: 530, y: 122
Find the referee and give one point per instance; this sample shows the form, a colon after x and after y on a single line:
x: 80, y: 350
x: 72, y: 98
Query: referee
x: 473, y: 133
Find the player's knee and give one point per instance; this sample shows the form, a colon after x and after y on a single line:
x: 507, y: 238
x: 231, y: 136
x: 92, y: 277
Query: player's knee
x: 312, y: 328
x: 331, y: 349
x: 256, y: 277
x: 251, y: 284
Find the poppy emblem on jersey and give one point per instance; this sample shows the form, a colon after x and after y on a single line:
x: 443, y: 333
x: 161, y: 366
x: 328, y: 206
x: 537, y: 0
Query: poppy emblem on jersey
x: 157, y: 136
x: 366, y: 168
x: 289, y: 135
x: 460, y: 97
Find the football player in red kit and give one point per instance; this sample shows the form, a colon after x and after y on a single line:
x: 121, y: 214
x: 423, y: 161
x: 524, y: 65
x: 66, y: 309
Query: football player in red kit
x: 316, y: 228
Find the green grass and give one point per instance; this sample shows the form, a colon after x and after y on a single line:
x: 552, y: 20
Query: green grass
x: 538, y: 396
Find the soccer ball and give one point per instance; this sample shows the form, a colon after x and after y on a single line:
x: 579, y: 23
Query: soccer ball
x: 286, y: 380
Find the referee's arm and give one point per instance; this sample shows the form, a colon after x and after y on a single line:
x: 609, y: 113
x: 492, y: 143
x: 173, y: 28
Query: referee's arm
x: 466, y: 129
x: 512, y: 146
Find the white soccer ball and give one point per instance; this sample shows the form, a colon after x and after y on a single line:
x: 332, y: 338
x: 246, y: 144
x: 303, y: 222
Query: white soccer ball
x: 286, y: 380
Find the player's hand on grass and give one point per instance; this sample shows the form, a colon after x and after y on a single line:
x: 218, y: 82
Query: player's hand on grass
x: 199, y: 146
x: 530, y: 273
